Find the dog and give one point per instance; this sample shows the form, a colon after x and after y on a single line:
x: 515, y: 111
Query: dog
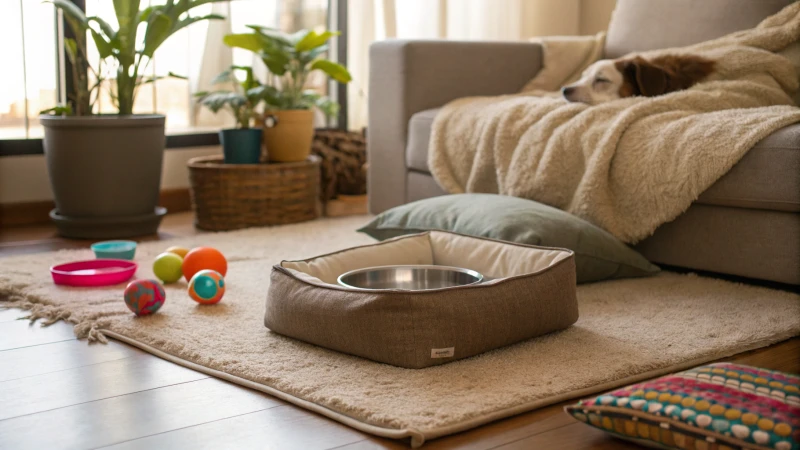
x: 607, y: 79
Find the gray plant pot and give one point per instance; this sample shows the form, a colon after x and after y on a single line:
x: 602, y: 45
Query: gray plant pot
x: 105, y: 172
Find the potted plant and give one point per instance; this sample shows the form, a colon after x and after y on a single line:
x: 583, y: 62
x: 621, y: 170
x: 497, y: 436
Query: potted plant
x: 105, y: 170
x: 240, y: 145
x: 289, y: 115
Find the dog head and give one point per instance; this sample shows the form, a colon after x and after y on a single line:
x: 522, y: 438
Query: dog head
x: 599, y: 83
x: 608, y: 80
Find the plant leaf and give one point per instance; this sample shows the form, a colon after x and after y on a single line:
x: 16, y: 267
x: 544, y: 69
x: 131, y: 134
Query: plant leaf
x: 248, y: 41
x: 71, y: 47
x: 127, y: 14
x: 158, y: 30
x: 313, y: 99
x: 58, y: 110
x: 104, y: 26
x: 144, y: 14
x: 190, y: 20
x: 313, y: 40
x: 275, y: 65
x: 269, y: 94
x: 223, y: 77
x: 152, y: 79
x: 219, y: 99
x: 72, y: 11
x: 178, y: 76
x: 104, y: 48
x: 276, y: 35
x: 186, y: 5
x: 336, y: 71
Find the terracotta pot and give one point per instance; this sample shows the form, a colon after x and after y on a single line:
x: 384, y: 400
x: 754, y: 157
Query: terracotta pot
x: 288, y: 134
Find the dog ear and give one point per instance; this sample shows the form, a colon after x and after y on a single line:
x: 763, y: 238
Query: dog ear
x: 648, y: 80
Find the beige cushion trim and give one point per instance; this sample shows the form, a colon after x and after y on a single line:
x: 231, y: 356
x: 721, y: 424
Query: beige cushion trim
x: 493, y: 259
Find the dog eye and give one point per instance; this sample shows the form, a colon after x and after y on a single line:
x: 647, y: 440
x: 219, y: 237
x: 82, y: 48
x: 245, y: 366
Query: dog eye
x: 601, y: 80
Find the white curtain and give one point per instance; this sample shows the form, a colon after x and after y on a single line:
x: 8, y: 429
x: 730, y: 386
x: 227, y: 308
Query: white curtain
x: 507, y: 20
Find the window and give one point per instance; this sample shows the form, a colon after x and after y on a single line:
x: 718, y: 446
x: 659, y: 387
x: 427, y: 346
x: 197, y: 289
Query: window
x: 32, y: 74
x: 27, y: 27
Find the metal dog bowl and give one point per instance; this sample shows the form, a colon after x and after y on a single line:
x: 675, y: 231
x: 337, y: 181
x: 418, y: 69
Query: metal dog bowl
x: 409, y: 278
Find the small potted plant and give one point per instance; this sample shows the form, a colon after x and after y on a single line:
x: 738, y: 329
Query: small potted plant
x: 105, y: 170
x: 289, y: 116
x: 240, y: 145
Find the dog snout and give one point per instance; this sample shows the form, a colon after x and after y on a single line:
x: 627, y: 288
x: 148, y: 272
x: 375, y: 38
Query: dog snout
x: 566, y: 91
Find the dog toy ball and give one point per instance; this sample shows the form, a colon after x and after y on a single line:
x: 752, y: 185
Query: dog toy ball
x: 207, y: 287
x: 202, y: 258
x: 167, y: 267
x: 180, y: 251
x: 144, y: 297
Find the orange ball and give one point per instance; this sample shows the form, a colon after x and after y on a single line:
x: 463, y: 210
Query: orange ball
x: 203, y: 258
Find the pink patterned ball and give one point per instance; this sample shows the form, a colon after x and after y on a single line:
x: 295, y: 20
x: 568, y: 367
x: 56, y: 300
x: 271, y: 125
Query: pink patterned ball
x: 144, y: 297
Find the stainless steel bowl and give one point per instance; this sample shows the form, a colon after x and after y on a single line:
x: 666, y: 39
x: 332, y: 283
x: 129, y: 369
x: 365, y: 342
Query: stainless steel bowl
x: 410, y: 278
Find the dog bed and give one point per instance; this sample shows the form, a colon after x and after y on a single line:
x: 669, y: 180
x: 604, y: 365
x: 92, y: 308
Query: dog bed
x: 530, y: 292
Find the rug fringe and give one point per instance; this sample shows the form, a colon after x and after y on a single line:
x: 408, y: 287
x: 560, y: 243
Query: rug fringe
x: 89, y: 329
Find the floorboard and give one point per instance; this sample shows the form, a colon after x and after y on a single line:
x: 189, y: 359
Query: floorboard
x: 285, y: 428
x: 575, y: 435
x: 133, y: 416
x: 69, y: 387
x: 58, y: 392
x: 58, y: 356
x: 22, y: 333
x: 10, y: 315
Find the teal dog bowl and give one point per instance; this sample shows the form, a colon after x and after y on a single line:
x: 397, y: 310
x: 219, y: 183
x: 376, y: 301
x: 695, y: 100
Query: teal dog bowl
x: 114, y: 249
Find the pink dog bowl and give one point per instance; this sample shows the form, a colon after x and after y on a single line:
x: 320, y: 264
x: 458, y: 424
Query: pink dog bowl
x: 94, y: 272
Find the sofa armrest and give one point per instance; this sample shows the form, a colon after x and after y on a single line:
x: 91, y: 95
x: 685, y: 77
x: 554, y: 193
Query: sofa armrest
x: 407, y: 76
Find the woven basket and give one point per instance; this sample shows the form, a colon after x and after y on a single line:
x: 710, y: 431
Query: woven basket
x: 344, y: 156
x: 233, y: 196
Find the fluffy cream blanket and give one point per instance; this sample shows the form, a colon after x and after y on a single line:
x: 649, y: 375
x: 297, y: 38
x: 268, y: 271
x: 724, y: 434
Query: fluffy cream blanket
x: 628, y: 165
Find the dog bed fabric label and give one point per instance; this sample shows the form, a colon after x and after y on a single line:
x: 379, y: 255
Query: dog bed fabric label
x: 443, y: 352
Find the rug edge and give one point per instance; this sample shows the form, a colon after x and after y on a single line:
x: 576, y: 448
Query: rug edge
x: 92, y: 329
x: 520, y: 409
x: 418, y: 438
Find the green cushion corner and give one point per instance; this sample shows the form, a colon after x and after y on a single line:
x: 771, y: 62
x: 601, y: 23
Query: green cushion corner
x: 598, y: 254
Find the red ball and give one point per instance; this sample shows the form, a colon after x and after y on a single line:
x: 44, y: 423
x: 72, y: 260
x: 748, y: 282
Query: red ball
x: 203, y: 258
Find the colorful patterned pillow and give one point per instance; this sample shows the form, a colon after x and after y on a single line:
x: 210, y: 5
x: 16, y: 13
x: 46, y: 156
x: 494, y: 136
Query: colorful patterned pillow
x: 715, y: 407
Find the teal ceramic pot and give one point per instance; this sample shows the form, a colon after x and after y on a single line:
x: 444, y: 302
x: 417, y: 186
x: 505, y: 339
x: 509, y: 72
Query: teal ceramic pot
x: 241, y: 146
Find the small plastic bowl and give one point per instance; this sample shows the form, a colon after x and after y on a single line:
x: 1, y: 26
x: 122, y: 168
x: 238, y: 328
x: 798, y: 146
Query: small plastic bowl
x: 94, y: 272
x: 114, y: 249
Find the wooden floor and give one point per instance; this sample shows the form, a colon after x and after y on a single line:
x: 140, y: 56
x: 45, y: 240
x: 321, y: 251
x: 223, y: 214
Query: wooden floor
x: 57, y: 392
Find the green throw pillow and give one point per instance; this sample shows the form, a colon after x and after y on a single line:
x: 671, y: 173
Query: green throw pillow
x: 598, y: 254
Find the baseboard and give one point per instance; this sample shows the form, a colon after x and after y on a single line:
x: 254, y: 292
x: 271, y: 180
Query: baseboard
x: 37, y: 213
x: 175, y: 200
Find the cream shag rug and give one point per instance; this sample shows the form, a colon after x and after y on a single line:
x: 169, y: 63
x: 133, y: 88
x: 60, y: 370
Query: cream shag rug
x: 628, y: 330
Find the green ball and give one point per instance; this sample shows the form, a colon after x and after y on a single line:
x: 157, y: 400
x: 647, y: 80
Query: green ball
x: 167, y: 267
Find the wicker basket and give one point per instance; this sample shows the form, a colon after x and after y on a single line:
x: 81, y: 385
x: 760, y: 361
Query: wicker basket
x: 233, y: 196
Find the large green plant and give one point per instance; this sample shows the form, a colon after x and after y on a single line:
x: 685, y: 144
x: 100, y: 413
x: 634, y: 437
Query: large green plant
x: 128, y: 50
x: 291, y: 58
x: 242, y: 101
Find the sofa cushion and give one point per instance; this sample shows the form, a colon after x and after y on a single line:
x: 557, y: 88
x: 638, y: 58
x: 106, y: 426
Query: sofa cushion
x: 638, y: 25
x: 767, y: 177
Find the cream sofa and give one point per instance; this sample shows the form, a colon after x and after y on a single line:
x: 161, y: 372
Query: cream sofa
x: 746, y: 224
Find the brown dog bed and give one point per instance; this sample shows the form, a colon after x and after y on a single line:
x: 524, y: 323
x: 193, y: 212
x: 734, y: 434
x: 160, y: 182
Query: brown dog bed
x: 531, y: 292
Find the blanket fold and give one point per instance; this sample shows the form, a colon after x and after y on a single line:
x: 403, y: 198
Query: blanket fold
x: 632, y: 164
